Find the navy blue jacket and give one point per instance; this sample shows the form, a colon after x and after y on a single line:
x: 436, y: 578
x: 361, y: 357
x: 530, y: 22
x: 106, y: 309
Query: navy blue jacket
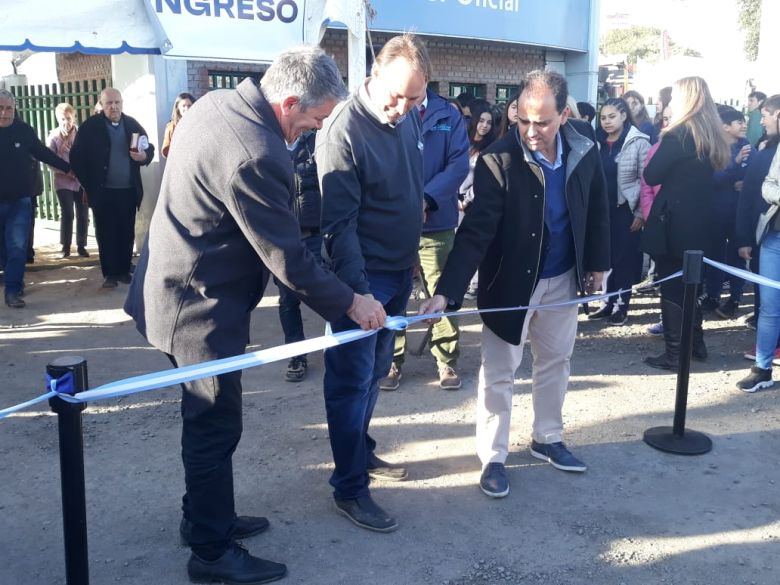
x: 725, y: 196
x: 445, y: 162
x: 751, y: 204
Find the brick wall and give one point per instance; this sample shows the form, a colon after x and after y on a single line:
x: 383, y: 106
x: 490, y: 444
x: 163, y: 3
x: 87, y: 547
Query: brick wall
x: 198, y: 73
x: 458, y: 60
x: 78, y: 67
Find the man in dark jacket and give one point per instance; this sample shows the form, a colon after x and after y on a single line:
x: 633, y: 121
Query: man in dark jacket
x: 222, y: 224
x: 369, y: 160
x: 445, y: 165
x: 107, y: 156
x: 539, y: 230
x: 18, y: 143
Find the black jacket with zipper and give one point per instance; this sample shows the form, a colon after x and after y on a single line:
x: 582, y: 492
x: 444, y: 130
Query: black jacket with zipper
x: 504, y: 230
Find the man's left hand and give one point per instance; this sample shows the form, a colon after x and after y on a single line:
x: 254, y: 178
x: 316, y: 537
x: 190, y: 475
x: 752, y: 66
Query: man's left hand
x: 637, y: 224
x: 138, y: 156
x: 593, y: 282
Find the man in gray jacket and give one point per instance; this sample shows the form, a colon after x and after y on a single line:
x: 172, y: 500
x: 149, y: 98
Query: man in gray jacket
x: 369, y: 160
x: 222, y: 224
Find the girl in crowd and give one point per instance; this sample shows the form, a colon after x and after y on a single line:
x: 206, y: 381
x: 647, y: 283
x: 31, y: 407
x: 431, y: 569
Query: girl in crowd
x: 692, y: 149
x: 69, y: 192
x: 623, y: 150
x: 662, y: 102
x: 508, y: 117
x: 481, y: 135
x: 762, y: 201
x: 183, y: 103
x: 636, y: 103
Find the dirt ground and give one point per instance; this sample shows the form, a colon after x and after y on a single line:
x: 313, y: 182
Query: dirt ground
x: 638, y: 516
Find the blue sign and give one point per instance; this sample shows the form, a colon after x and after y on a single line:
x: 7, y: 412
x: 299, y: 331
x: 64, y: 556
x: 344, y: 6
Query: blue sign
x: 560, y: 24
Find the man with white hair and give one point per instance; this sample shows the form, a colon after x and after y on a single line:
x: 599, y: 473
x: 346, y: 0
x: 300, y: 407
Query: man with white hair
x: 222, y: 225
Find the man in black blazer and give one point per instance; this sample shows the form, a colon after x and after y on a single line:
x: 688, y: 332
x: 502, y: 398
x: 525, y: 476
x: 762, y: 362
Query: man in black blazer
x: 223, y: 223
x: 107, y: 156
x: 539, y: 231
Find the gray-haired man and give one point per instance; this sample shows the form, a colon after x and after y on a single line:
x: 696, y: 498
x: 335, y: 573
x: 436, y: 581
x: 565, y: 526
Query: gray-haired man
x: 222, y: 224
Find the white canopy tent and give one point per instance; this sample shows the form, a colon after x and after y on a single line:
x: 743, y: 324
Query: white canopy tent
x: 253, y: 31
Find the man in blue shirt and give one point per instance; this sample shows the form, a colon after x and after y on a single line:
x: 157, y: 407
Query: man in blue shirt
x: 538, y: 230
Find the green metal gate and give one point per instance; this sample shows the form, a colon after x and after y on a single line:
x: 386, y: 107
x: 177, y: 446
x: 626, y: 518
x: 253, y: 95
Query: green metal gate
x: 35, y: 105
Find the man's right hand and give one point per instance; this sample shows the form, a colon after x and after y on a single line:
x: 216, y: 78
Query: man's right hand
x: 367, y: 312
x: 435, y: 304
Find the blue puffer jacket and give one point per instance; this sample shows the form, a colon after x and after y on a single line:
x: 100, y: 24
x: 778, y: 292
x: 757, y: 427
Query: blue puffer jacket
x: 445, y: 162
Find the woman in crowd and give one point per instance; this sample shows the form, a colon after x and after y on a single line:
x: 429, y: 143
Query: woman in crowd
x: 623, y: 150
x: 69, y: 192
x: 587, y: 111
x: 481, y: 135
x: 647, y: 195
x: 758, y: 205
x: 183, y: 103
x: 662, y: 102
x: 692, y: 149
x: 508, y: 117
x: 636, y: 103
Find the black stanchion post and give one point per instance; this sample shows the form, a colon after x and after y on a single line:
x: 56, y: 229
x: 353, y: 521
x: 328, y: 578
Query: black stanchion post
x: 676, y: 439
x: 74, y: 504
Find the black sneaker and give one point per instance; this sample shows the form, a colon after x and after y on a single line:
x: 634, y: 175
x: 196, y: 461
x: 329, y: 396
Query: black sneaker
x: 604, y: 312
x: 366, y: 513
x: 557, y: 455
x: 708, y: 304
x: 381, y: 469
x: 235, y: 567
x: 617, y: 318
x: 14, y: 300
x: 243, y: 527
x: 296, y: 369
x: 494, y: 483
x: 727, y: 309
x: 757, y: 378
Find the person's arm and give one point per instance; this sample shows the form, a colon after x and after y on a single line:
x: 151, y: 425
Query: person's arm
x: 475, y: 233
x: 748, y: 203
x: 646, y: 192
x: 341, y: 199
x: 630, y: 179
x: 668, y: 154
x: 40, y: 152
x: 258, y: 200
x: 771, y: 187
x: 443, y: 186
x: 166, y: 145
x: 596, y: 256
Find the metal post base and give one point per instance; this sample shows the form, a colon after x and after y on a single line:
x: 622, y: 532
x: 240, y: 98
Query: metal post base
x: 691, y: 443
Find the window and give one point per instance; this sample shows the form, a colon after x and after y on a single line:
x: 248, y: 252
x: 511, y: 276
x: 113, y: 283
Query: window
x: 229, y: 79
x: 504, y: 92
x: 475, y: 89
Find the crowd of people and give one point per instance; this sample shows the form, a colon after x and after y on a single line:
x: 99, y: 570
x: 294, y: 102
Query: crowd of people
x: 349, y: 202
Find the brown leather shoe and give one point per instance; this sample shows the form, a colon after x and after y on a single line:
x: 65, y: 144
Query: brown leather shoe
x: 448, y: 379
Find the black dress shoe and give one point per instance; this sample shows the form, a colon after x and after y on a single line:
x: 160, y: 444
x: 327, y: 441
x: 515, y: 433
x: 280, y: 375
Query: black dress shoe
x: 235, y: 567
x: 365, y: 512
x: 380, y: 469
x: 243, y: 527
x: 109, y: 282
x: 124, y: 278
x: 14, y: 300
x: 83, y: 252
x: 662, y: 362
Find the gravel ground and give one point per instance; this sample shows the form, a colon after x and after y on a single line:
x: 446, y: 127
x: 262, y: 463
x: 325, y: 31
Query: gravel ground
x: 638, y: 516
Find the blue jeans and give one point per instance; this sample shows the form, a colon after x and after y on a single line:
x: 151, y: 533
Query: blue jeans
x: 769, y: 316
x: 352, y: 373
x: 15, y: 218
x: 289, y: 304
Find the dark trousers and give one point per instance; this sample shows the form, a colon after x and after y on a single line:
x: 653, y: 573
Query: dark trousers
x: 15, y: 228
x: 72, y: 205
x: 626, y: 257
x: 211, y: 429
x: 289, y: 304
x: 114, y: 215
x: 352, y: 373
x: 728, y: 253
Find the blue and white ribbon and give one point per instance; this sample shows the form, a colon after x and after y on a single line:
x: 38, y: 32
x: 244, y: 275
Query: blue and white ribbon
x: 208, y: 369
x: 742, y: 273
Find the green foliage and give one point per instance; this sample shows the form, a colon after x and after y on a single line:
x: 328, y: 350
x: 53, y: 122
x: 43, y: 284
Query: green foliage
x: 750, y: 23
x: 639, y: 42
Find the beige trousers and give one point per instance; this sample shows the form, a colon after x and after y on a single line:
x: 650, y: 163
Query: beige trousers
x: 552, y: 333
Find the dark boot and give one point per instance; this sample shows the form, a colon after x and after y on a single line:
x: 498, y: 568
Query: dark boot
x: 699, y: 351
x: 671, y: 314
